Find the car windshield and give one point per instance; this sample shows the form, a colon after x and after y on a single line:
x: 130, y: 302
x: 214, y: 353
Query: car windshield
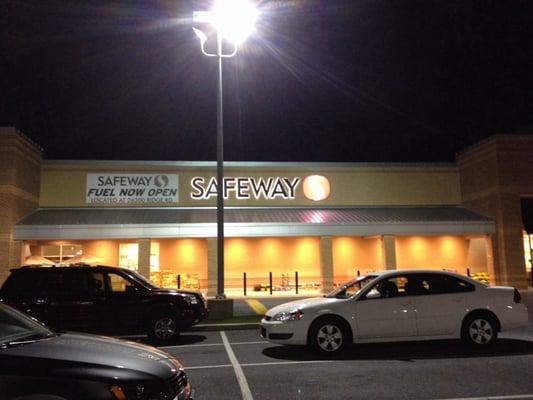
x: 144, y: 281
x: 352, y: 287
x: 17, y: 327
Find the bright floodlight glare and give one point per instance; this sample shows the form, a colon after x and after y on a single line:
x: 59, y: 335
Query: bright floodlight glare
x: 234, y: 20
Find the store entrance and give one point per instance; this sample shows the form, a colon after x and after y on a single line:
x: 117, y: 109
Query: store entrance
x: 527, y: 219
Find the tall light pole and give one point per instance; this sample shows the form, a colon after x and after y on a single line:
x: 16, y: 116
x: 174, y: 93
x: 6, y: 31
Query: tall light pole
x: 232, y: 21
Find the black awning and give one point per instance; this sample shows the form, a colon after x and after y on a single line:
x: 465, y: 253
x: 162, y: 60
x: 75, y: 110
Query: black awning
x: 527, y: 214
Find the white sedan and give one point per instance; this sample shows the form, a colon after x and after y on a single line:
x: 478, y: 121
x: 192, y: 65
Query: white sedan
x: 398, y: 305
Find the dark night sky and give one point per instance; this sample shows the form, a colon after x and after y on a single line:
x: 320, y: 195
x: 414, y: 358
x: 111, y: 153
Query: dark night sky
x: 321, y: 80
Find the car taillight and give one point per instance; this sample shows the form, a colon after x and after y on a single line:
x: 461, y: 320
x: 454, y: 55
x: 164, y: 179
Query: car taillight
x: 517, y: 296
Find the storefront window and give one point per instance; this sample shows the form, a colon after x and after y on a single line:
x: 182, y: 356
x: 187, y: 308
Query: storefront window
x: 528, y: 254
x: 128, y: 256
x: 62, y: 252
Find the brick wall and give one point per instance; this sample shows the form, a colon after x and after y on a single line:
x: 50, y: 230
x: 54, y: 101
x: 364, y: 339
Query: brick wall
x: 494, y: 175
x: 20, y: 170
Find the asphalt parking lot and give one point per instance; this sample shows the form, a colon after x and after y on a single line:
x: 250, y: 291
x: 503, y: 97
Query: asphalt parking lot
x: 241, y: 365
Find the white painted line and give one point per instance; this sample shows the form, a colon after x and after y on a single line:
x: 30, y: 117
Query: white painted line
x: 258, y: 342
x: 245, y: 389
x: 191, y: 345
x: 511, y: 397
x: 288, y: 363
x: 209, y: 366
x: 210, y: 344
x: 263, y: 364
x: 229, y: 324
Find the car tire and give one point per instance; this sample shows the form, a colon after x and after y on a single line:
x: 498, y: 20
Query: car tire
x: 163, y: 329
x: 328, y: 336
x: 479, y: 330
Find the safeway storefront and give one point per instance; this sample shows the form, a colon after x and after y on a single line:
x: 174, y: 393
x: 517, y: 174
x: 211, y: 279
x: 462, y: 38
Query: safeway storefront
x: 327, y: 222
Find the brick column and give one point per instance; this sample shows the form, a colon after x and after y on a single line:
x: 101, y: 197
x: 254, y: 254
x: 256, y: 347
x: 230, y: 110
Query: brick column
x: 212, y: 266
x: 490, y: 258
x: 326, y: 263
x: 388, y: 251
x: 17, y: 253
x: 5, y: 250
x: 144, y: 257
x: 20, y: 177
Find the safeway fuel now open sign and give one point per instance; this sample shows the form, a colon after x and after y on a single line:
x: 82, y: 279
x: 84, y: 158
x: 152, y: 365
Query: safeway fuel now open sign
x: 131, y: 188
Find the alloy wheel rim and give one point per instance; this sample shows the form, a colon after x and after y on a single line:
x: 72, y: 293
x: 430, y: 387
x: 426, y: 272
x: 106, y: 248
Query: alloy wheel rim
x: 481, y: 331
x: 329, y: 338
x: 165, y: 328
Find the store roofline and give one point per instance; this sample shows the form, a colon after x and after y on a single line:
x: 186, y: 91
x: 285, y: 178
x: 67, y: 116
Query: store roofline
x: 248, y: 164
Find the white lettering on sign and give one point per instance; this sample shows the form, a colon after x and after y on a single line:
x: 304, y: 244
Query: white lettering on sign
x: 131, y: 188
x: 243, y: 188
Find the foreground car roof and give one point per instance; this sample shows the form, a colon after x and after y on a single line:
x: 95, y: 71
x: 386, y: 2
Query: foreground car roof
x: 421, y: 271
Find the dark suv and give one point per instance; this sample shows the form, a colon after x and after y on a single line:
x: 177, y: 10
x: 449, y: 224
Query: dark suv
x: 102, y: 299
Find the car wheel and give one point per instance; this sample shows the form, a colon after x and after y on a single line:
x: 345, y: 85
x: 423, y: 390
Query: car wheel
x: 328, y: 336
x: 163, y: 329
x: 480, y: 330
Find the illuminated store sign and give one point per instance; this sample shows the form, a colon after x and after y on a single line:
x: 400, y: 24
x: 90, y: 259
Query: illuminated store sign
x: 316, y: 187
x: 131, y: 188
x: 271, y: 188
x: 246, y: 188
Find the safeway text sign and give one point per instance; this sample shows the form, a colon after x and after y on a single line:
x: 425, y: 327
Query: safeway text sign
x: 131, y: 188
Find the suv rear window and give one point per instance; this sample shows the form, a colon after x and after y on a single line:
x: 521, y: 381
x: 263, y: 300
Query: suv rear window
x: 21, y: 283
x: 30, y: 283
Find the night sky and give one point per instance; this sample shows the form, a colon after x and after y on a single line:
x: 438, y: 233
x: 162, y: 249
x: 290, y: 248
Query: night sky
x: 320, y: 80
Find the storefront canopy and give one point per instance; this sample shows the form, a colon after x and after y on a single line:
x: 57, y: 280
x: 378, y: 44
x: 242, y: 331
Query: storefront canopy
x: 57, y: 224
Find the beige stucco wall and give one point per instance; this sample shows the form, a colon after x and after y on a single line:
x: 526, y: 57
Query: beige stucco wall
x: 352, y: 254
x: 63, y: 184
x: 440, y: 252
x: 259, y: 256
x: 183, y: 256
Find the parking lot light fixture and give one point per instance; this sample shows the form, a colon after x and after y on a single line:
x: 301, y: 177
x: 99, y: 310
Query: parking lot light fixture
x: 232, y: 21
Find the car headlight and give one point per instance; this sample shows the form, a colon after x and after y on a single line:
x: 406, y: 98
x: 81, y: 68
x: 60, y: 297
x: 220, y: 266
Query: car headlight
x: 294, y: 315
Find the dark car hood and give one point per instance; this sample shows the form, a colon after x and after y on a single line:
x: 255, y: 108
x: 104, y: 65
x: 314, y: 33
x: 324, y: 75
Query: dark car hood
x: 94, y: 355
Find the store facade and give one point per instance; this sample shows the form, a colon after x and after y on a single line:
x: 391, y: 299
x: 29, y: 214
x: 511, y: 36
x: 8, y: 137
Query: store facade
x: 327, y: 222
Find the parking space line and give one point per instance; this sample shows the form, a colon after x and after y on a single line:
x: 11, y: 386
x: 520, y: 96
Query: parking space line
x: 510, y: 397
x: 267, y: 364
x: 245, y: 389
x: 191, y: 345
x: 257, y: 306
x: 211, y: 344
x: 288, y: 363
x: 209, y: 366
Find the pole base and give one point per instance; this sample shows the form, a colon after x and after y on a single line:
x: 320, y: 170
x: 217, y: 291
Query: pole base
x: 220, y: 308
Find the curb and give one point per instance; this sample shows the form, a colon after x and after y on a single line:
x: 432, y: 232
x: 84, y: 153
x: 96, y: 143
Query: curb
x: 224, y: 327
